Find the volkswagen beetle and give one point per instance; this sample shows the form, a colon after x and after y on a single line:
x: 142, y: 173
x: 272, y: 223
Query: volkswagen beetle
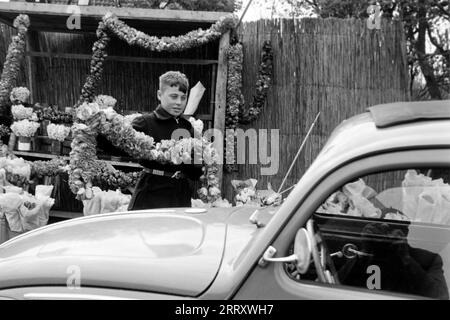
x: 370, y: 219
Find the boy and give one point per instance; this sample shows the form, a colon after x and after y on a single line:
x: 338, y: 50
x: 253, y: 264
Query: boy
x: 165, y: 185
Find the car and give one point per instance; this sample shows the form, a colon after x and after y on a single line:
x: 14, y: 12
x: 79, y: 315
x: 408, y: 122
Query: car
x: 369, y: 219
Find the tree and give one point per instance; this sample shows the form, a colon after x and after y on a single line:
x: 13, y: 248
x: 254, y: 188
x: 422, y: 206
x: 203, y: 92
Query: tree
x: 426, y: 24
x: 197, y: 5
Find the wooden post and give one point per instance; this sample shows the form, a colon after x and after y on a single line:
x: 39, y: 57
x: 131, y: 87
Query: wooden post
x: 221, y: 99
x: 32, y: 45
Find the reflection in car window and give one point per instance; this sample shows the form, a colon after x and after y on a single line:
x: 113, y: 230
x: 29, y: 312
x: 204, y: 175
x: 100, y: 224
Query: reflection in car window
x: 397, y: 225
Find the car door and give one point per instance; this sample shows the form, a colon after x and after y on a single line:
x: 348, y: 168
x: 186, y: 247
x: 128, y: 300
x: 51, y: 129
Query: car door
x: 391, y: 241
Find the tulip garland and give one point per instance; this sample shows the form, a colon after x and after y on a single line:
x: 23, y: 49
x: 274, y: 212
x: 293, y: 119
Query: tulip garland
x: 11, y: 67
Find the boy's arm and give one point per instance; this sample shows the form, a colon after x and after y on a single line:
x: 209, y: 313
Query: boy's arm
x: 140, y: 124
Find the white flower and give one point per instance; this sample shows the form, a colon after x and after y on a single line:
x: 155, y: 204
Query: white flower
x: 19, y: 112
x: 20, y: 94
x: 203, y: 192
x: 79, y: 126
x: 24, y: 128
x: 105, y: 101
x: 34, y: 117
x: 58, y: 132
x: 87, y: 110
x: 110, y: 113
x: 128, y: 119
x: 197, y: 125
x: 214, y: 191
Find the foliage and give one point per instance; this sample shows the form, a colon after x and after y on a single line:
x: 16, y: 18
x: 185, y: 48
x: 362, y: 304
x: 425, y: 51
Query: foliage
x: 196, y: 5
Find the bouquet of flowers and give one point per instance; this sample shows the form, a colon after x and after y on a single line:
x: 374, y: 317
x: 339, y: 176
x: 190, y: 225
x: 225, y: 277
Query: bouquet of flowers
x: 245, y: 192
x: 19, y: 95
x: 58, y: 131
x: 19, y: 112
x: 24, y: 128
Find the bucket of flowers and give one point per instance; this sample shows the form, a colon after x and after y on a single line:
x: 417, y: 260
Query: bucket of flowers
x: 24, y: 129
x: 57, y: 133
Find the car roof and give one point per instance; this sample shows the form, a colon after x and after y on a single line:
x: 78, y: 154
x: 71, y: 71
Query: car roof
x: 388, y: 114
x: 359, y: 136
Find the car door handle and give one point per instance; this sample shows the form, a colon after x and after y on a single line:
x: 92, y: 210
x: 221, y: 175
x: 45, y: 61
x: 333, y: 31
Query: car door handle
x: 268, y: 257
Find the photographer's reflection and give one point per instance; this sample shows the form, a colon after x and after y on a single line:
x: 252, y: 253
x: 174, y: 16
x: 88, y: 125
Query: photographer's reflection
x: 403, y: 269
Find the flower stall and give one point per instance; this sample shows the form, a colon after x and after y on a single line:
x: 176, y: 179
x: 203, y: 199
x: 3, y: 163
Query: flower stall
x: 40, y: 130
x: 65, y: 148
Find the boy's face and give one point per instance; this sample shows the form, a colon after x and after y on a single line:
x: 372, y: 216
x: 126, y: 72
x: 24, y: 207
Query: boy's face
x: 172, y: 100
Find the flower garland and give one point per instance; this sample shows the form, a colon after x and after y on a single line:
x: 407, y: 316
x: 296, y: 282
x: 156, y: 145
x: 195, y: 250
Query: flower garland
x: 11, y: 67
x: 235, y: 112
x: 122, y: 135
x: 110, y: 24
x: 96, y: 66
x: 235, y: 99
x: 108, y: 178
x: 171, y: 44
x: 262, y: 86
x: 48, y: 168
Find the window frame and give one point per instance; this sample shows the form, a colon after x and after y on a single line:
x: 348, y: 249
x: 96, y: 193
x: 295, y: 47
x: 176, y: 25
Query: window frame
x: 284, y: 287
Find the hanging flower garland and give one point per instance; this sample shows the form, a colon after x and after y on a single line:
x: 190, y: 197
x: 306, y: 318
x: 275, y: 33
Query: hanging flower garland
x: 235, y: 110
x: 11, y: 67
x: 111, y: 25
x: 96, y: 66
x: 190, y: 40
x: 235, y: 99
x: 262, y: 86
x: 122, y: 135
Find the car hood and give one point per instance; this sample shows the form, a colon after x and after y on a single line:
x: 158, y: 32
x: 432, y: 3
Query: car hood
x: 165, y: 251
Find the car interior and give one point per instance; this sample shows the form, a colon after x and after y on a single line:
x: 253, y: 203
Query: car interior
x: 386, y: 231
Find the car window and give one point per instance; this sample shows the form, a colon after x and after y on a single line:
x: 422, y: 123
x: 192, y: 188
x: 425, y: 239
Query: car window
x: 387, y: 231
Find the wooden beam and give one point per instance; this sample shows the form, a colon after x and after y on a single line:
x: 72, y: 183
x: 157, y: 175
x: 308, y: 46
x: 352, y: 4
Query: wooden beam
x: 32, y: 39
x: 122, y: 13
x: 221, y: 99
x: 123, y: 58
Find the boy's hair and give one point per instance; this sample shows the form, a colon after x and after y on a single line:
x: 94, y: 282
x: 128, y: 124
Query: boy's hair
x: 172, y: 79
